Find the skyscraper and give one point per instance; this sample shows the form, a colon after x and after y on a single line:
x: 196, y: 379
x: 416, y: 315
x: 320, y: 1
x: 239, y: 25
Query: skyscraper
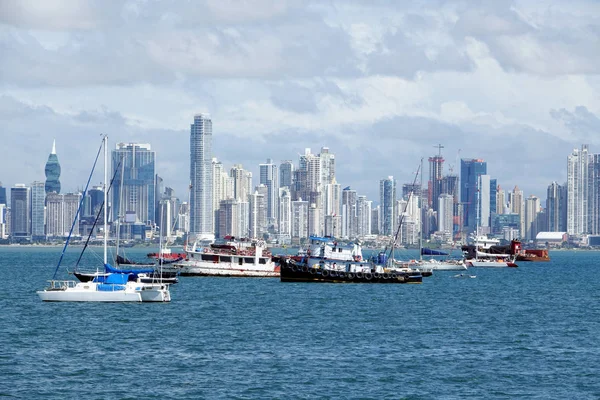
x: 138, y: 183
x: 470, y: 170
x: 349, y: 213
x: 38, y: 199
x: 577, y: 191
x: 594, y: 194
x: 517, y: 206
x: 20, y: 224
x: 387, y: 202
x: 270, y: 178
x: 532, y: 209
x: 286, y: 174
x: 556, y: 208
x: 201, y: 209
x: 2, y: 194
x: 52, y: 172
x: 436, y: 165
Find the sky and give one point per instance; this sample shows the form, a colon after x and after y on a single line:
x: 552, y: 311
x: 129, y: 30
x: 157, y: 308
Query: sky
x: 381, y: 83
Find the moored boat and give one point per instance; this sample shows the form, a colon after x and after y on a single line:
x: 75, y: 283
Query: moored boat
x: 231, y: 257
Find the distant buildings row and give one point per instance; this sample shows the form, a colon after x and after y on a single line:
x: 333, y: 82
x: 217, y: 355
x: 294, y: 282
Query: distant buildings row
x: 293, y: 201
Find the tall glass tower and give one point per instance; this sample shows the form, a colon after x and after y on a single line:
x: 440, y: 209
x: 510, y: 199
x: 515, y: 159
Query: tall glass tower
x: 52, y: 172
x: 387, y: 201
x: 136, y: 203
x: 201, y: 210
x: 470, y: 171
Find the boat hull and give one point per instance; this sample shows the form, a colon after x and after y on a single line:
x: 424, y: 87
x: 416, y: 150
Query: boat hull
x: 132, y: 292
x: 491, y: 264
x: 228, y: 270
x: 291, y: 271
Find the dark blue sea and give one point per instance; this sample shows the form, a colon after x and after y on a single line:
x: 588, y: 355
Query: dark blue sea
x: 531, y: 332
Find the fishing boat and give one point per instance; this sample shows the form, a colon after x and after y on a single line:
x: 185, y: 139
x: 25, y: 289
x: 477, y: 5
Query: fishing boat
x: 109, y: 285
x: 239, y: 257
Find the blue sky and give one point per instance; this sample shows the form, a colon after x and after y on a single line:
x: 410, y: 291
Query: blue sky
x: 380, y: 83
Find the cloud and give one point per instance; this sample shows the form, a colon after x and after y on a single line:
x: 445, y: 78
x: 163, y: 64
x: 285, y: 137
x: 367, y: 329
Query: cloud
x: 583, y: 125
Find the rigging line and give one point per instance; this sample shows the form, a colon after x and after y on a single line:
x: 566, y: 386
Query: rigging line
x: 405, y: 208
x: 96, y: 220
x: 77, y: 213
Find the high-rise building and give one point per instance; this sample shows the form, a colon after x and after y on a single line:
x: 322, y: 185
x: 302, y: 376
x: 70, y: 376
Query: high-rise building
x: 484, y: 197
x: 332, y: 209
x: 20, y: 224
x: 363, y: 216
x: 517, y: 206
x: 270, y: 178
x: 494, y: 197
x: 436, y: 165
x: 375, y: 220
x: 387, y: 202
x: 470, y: 170
x: 52, y: 172
x: 242, y: 182
x: 3, y: 221
x: 258, y: 212
x: 285, y: 215
x: 38, y: 200
x: 299, y: 219
x: 577, y: 191
x: 222, y: 189
x: 446, y: 215
x: 532, y: 210
x: 556, y: 208
x: 201, y: 194
x: 230, y: 219
x: 594, y: 194
x: 134, y: 173
x: 500, y: 200
x: 61, y: 210
x: 349, y: 215
x: 3, y: 195
x: 286, y: 174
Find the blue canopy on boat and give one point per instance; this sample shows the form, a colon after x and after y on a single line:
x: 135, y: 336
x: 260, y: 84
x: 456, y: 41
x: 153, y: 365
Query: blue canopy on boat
x: 430, y: 252
x: 113, y: 270
x: 321, y: 239
x: 118, y: 279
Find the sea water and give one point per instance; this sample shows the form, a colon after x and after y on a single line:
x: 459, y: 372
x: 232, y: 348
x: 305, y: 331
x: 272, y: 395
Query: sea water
x: 529, y: 332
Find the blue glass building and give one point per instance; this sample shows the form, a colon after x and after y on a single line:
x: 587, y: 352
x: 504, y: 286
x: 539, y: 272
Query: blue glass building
x: 137, y: 199
x: 52, y: 172
x: 470, y: 170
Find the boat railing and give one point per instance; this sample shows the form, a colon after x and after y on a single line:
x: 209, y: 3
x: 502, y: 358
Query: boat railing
x: 61, y: 285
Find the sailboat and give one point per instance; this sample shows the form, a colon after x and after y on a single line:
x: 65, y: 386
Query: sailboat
x: 113, y: 285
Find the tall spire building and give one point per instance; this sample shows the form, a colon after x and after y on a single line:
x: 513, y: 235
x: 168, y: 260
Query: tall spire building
x: 52, y: 172
x: 201, y: 209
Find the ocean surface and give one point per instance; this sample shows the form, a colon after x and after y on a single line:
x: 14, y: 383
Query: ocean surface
x: 532, y: 332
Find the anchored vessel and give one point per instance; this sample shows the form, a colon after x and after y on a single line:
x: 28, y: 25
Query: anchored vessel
x: 230, y: 257
x: 327, y: 261
x: 110, y: 285
x: 487, y: 252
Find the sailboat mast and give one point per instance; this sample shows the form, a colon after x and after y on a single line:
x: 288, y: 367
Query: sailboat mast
x: 421, y: 214
x: 105, y: 198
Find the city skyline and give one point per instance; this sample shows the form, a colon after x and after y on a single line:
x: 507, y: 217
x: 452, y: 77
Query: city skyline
x: 382, y: 84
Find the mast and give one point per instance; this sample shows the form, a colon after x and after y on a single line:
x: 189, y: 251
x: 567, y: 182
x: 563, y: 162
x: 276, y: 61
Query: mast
x: 421, y: 212
x: 118, y: 230
x: 391, y: 256
x: 105, y: 197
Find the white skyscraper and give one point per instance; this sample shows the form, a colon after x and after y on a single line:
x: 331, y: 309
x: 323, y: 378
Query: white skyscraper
x: 285, y: 215
x: 577, y: 191
x: 269, y: 177
x: 201, y: 195
x: 532, y: 209
x: 484, y: 203
x: 299, y: 219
